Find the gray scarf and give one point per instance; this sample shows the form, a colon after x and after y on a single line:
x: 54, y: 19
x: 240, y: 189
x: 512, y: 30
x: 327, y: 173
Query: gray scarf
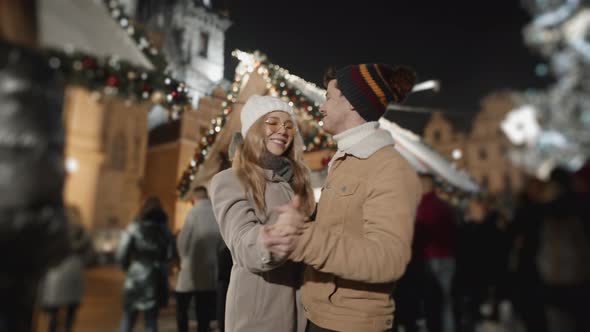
x: 279, y: 165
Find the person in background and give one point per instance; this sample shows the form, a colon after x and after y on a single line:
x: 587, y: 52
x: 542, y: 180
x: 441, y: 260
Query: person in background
x: 198, y: 244
x: 483, y: 249
x: 62, y: 287
x: 145, y: 249
x: 267, y: 172
x: 554, y: 251
x: 224, y: 258
x: 435, y: 242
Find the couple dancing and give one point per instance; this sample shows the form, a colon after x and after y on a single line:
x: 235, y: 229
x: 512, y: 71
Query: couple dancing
x: 344, y: 262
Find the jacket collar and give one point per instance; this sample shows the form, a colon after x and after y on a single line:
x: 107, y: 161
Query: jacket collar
x: 362, y: 141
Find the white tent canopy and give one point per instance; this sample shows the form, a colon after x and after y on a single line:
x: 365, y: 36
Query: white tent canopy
x: 424, y: 159
x: 86, y: 26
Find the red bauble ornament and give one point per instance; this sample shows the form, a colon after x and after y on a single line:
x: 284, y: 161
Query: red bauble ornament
x: 146, y: 88
x: 112, y: 80
x: 89, y: 63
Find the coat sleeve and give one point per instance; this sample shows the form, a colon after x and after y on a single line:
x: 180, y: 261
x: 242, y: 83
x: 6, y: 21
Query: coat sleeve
x: 239, y: 225
x: 383, y: 250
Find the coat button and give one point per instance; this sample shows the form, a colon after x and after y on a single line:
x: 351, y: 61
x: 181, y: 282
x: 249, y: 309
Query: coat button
x: 343, y: 189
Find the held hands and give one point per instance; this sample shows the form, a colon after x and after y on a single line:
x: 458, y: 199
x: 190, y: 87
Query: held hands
x: 281, y: 238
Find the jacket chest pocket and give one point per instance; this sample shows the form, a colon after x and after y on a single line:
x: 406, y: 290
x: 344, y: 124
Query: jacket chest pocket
x: 346, y: 189
x: 347, y: 204
x: 338, y: 197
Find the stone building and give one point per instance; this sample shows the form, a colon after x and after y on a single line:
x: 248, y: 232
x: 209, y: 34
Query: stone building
x: 106, y: 140
x: 191, y: 34
x: 481, y: 148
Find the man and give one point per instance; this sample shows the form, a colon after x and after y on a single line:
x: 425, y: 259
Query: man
x: 360, y: 242
x: 198, y: 244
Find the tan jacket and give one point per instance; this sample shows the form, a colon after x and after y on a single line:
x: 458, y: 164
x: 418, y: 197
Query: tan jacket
x: 262, y: 292
x: 360, y: 243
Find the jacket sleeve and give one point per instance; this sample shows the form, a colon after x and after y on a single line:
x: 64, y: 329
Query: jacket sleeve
x: 382, y: 252
x: 239, y: 225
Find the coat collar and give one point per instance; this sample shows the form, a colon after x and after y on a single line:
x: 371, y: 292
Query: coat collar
x: 362, y: 141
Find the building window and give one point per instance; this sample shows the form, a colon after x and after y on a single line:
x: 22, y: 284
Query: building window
x: 503, y: 150
x: 507, y: 183
x: 483, y: 154
x: 437, y: 135
x: 204, y: 44
x: 485, y: 182
x: 119, y: 152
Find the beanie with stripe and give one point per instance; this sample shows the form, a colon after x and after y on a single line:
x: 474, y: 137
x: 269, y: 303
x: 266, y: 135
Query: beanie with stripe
x: 371, y: 87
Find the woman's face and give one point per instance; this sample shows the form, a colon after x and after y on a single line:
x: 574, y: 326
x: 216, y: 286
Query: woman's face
x: 279, y: 132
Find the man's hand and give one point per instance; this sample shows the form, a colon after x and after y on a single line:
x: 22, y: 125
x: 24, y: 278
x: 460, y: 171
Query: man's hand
x: 281, y: 238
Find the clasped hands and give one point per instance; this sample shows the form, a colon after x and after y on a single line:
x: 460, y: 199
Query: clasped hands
x: 281, y: 238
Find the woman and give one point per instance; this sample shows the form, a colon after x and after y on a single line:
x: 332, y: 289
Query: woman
x: 144, y: 252
x: 267, y: 172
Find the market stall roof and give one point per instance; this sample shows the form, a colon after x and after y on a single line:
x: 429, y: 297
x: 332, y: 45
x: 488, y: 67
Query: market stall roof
x: 87, y: 26
x: 427, y: 160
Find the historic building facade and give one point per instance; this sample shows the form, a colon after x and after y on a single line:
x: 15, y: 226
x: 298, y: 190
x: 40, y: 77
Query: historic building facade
x: 191, y: 34
x: 106, y: 143
x: 481, y: 149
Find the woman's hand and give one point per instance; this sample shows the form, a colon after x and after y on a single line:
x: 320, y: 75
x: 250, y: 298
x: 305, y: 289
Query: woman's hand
x: 281, y: 238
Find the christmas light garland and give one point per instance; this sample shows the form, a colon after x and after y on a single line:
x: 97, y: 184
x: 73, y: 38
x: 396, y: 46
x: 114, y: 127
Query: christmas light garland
x: 279, y: 83
x: 113, y: 77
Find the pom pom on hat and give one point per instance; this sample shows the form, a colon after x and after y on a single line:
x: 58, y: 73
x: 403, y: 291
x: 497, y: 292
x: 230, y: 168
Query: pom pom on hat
x: 258, y: 106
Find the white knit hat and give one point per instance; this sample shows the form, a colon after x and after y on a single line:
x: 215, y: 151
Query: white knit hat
x: 258, y: 106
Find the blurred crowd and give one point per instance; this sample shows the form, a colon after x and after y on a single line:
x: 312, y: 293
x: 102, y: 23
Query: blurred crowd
x: 483, y: 264
x: 477, y: 265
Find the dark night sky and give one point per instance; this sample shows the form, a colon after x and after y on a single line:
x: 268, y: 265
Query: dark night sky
x: 472, y: 47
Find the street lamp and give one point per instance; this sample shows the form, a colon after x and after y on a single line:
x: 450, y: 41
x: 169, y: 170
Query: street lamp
x: 427, y: 85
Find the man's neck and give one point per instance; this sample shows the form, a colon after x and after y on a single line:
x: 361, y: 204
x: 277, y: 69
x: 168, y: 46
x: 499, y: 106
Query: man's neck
x: 349, y: 125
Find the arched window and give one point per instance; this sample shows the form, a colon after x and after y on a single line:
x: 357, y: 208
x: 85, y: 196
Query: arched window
x: 118, y: 155
x: 507, y: 182
x: 437, y: 135
x: 485, y: 182
x: 204, y: 44
x: 483, y: 154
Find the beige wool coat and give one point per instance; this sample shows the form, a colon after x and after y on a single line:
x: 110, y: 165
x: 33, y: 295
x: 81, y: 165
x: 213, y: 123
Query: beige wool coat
x: 263, y: 293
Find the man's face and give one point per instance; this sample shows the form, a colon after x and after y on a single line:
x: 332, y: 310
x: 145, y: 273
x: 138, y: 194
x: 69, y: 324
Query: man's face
x: 335, y: 110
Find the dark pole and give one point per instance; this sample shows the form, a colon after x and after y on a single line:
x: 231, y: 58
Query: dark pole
x: 32, y: 220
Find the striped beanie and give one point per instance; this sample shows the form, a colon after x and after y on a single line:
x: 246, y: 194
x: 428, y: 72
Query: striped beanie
x: 371, y: 87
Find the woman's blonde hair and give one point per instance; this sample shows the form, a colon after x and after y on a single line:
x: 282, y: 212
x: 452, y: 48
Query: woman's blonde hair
x: 251, y: 174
